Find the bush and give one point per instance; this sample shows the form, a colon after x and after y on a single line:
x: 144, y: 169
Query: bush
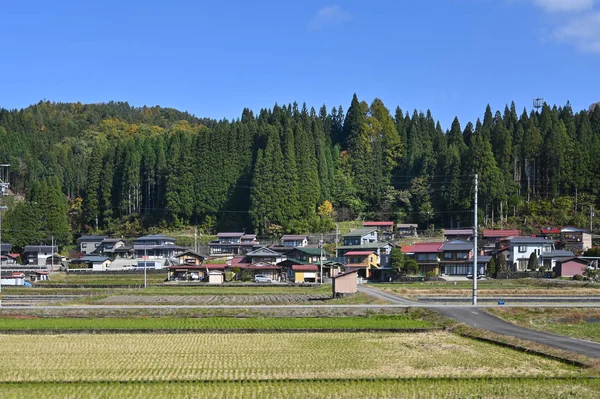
x: 430, y: 274
x: 578, y: 277
x: 247, y: 275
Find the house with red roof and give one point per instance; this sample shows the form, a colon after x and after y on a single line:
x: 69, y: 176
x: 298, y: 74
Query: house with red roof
x: 427, y: 255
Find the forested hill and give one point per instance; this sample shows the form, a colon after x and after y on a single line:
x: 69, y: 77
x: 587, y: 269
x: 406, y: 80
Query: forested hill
x: 111, y: 167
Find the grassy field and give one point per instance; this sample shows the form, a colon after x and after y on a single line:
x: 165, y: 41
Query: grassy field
x: 266, y: 356
x: 104, y: 279
x: 419, y: 388
x: 408, y: 321
x: 529, y: 287
x: 579, y: 323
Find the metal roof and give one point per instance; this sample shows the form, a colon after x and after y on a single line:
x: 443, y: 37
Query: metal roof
x: 426, y: 247
x: 91, y: 238
x: 457, y: 245
x: 374, y: 245
x: 359, y: 253
x: 230, y: 235
x: 458, y: 232
x: 558, y: 253
x: 39, y: 248
x: 154, y: 237
x: 369, y: 224
x: 264, y: 251
x: 530, y: 240
x: 363, y: 231
x: 294, y: 237
x: 93, y: 259
x: 500, y: 233
x: 305, y: 268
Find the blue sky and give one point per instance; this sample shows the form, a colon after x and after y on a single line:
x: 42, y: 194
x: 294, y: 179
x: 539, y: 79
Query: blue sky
x: 213, y: 58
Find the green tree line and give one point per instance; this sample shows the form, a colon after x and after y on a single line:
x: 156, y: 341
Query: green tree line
x: 98, y: 167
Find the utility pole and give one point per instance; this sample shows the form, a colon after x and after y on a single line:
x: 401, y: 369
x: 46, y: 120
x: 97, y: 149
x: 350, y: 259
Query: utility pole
x: 3, y: 192
x: 145, y: 265
x: 591, y: 218
x: 336, y: 238
x: 52, y: 250
x: 475, y: 269
x: 321, y: 258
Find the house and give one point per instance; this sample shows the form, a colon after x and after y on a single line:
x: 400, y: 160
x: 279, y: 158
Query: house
x: 232, y: 244
x: 575, y: 239
x: 549, y: 259
x: 190, y: 258
x: 265, y: 255
x: 308, y: 254
x: 366, y: 235
x: 458, y: 234
x: 381, y: 226
x: 382, y: 249
x: 39, y: 276
x: 294, y: 240
x: 306, y: 273
x: 491, y: 237
x: 331, y: 268
x: 427, y: 255
x: 90, y: 262
x: 386, y: 229
x: 5, y: 249
x: 156, y: 246
x: 89, y: 244
x: 568, y: 267
x: 55, y: 261
x: 456, y: 258
x: 37, y: 254
x: 345, y: 284
x: 109, y: 246
x: 184, y: 272
x: 10, y: 259
x: 362, y: 261
x: 266, y: 269
x: 519, y: 249
x: 406, y: 229
x: 124, y: 252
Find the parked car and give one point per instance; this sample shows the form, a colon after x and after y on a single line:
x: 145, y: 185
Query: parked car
x: 261, y: 278
x: 470, y: 276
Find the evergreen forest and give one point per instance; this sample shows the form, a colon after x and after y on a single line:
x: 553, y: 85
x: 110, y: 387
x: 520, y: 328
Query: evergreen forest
x: 121, y: 170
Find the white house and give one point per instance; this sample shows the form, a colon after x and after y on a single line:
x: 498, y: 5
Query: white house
x: 291, y: 240
x: 37, y: 254
x: 521, y: 248
x: 90, y: 262
x: 365, y: 235
x: 88, y: 244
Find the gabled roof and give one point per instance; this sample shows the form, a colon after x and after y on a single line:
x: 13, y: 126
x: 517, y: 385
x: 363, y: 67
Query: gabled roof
x: 360, y: 232
x: 91, y: 238
x: 294, y: 237
x: 529, y: 240
x: 407, y: 226
x: 93, y: 259
x: 264, y: 251
x: 154, y: 237
x: 426, y: 247
x: 113, y: 240
x: 579, y: 260
x: 558, y: 253
x: 458, y: 232
x: 305, y: 268
x: 457, y: 245
x: 345, y: 274
x: 215, y: 266
x: 372, y: 224
x: 293, y: 261
x: 39, y: 248
x: 192, y: 253
x: 373, y: 245
x: 261, y: 266
x: 500, y: 233
x: 359, y: 253
x: 312, y: 251
x: 229, y: 235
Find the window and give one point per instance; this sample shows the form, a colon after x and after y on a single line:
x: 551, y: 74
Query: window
x: 421, y: 256
x: 447, y: 255
x: 462, y: 255
x: 522, y: 248
x: 432, y: 257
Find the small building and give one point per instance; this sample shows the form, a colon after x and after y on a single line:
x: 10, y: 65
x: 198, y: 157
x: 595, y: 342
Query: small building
x: 37, y: 254
x: 332, y: 268
x: 568, y: 267
x: 39, y: 276
x: 365, y: 235
x: 521, y: 248
x: 186, y: 273
x: 364, y: 262
x: 305, y: 273
x: 215, y: 277
x: 90, y: 262
x: 575, y: 239
x: 458, y: 234
x: 381, y: 226
x: 406, y: 229
x: 291, y: 240
x: 89, y: 244
x: 308, y: 254
x: 549, y: 259
x: 190, y: 258
x: 345, y: 284
x: 15, y: 279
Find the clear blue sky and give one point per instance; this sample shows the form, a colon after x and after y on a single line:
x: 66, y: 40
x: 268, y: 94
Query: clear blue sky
x: 213, y: 58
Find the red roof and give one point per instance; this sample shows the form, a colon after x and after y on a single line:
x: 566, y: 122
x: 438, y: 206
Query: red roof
x: 369, y: 224
x: 237, y: 260
x: 305, y: 268
x: 551, y: 230
x: 500, y: 233
x: 408, y: 249
x: 359, y: 253
x: 215, y: 266
x: 427, y: 247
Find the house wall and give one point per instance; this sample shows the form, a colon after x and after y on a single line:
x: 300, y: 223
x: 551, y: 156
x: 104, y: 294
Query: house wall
x: 570, y: 268
x: 345, y: 285
x: 521, y: 258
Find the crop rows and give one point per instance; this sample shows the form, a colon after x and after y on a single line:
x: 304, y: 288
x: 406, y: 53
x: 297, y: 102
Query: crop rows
x: 273, y: 356
x: 417, y: 388
x: 213, y: 323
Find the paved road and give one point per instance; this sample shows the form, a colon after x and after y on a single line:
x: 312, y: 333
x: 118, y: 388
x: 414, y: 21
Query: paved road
x: 374, y: 292
x: 475, y: 317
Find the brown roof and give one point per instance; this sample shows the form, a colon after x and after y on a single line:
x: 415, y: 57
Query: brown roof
x: 345, y: 273
x: 305, y: 268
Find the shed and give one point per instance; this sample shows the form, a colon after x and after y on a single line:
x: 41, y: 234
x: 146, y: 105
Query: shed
x: 305, y: 273
x: 215, y: 277
x: 570, y: 266
x: 39, y: 276
x: 345, y: 284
